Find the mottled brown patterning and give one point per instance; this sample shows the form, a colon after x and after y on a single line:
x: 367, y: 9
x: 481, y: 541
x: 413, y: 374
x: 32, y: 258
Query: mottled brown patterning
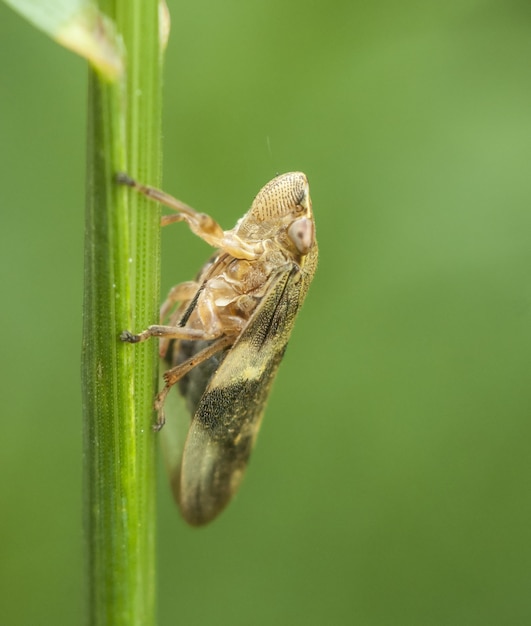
x: 227, y: 331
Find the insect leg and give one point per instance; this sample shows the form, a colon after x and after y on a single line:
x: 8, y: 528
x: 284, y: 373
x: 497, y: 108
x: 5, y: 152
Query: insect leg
x: 171, y: 332
x: 175, y: 374
x: 178, y: 293
x: 166, y: 220
x: 200, y: 224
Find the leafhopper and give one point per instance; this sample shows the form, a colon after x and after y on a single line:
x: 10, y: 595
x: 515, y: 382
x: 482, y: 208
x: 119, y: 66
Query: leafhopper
x: 224, y: 334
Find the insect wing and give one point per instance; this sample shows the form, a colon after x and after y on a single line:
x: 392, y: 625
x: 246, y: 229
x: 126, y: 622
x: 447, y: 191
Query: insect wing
x: 227, y: 419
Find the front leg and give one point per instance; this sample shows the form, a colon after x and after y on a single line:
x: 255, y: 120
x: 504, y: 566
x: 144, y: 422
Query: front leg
x: 201, y: 224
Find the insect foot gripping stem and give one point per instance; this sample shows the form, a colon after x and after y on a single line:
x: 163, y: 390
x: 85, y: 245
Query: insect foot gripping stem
x: 128, y: 337
x: 227, y: 332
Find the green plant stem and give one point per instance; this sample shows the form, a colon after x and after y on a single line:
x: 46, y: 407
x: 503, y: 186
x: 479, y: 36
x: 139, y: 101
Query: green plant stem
x: 121, y: 292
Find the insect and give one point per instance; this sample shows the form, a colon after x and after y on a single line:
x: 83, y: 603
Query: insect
x: 223, y: 335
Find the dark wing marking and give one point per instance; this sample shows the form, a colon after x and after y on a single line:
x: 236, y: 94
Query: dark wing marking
x: 226, y: 422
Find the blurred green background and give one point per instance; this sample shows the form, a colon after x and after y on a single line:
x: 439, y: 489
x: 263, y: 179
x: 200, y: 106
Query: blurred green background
x: 391, y: 483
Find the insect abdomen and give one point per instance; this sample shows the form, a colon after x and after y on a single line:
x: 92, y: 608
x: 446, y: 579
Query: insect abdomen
x: 219, y: 443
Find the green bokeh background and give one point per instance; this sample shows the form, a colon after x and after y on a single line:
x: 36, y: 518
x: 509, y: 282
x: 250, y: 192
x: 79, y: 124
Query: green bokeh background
x: 391, y: 483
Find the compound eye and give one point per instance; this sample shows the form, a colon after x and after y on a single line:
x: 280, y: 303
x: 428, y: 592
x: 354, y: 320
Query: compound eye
x: 301, y: 232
